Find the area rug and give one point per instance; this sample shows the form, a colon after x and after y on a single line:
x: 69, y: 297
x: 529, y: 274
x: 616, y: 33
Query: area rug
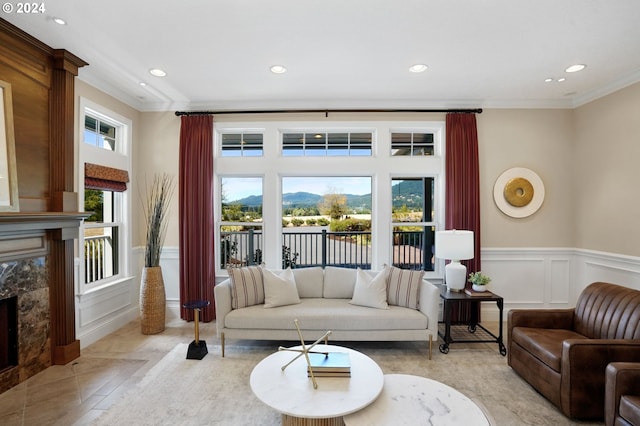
x: 215, y: 390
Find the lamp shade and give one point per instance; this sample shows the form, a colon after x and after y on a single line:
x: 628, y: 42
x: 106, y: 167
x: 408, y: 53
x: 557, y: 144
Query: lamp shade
x: 454, y: 245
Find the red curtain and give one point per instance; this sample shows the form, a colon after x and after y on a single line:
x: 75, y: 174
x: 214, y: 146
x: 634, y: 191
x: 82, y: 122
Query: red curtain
x: 463, y: 195
x: 197, y: 257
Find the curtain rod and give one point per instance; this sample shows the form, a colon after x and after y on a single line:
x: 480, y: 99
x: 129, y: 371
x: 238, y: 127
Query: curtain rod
x: 325, y: 111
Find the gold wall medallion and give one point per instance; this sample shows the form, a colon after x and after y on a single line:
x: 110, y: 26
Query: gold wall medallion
x: 518, y: 192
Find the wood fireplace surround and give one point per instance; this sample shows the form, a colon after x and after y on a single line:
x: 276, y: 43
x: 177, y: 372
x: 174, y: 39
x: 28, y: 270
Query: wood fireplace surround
x: 37, y: 247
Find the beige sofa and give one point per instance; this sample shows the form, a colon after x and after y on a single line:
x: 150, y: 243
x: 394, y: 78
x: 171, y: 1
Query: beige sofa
x: 326, y: 303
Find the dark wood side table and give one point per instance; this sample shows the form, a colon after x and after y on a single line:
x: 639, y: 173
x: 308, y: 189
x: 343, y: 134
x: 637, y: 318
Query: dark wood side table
x: 450, y: 298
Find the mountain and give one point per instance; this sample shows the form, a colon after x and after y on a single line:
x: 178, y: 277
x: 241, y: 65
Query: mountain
x: 407, y: 193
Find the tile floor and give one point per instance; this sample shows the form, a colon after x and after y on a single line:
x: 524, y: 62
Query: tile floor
x: 76, y: 393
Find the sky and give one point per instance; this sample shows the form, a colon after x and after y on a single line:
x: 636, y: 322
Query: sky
x: 238, y: 188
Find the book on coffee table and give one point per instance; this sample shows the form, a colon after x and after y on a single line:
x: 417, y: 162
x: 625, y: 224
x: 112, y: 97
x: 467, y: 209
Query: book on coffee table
x: 328, y: 374
x: 332, y: 362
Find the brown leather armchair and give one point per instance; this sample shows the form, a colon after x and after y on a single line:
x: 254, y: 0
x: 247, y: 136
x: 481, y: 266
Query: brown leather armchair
x: 563, y: 353
x: 622, y: 398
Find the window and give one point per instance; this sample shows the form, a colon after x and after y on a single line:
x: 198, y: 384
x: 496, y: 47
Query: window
x: 326, y: 220
x: 326, y: 144
x: 329, y: 195
x: 241, y: 224
x: 99, y: 133
x: 412, y: 222
x: 100, y: 235
x: 241, y: 145
x: 412, y: 144
x: 103, y: 175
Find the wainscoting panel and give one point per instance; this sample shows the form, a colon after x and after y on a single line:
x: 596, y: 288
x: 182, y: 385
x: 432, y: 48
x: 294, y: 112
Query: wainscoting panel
x: 524, y: 277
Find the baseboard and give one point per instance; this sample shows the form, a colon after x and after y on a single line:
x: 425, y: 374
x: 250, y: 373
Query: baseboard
x: 94, y: 334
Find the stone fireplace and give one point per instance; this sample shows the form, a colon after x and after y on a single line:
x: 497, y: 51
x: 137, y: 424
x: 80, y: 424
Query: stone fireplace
x: 32, y: 294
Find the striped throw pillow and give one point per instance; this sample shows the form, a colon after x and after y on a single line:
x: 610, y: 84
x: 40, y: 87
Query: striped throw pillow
x: 403, y: 286
x: 247, y: 287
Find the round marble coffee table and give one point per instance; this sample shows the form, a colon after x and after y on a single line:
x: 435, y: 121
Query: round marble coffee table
x: 291, y: 392
x: 411, y: 400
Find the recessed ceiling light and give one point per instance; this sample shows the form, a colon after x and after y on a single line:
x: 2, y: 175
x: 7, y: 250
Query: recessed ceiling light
x: 278, y: 69
x: 157, y: 72
x: 418, y: 68
x: 142, y: 83
x: 561, y: 79
x: 59, y: 21
x: 575, y: 68
x: 548, y: 80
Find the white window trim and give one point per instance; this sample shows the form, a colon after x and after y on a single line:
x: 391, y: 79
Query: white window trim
x: 381, y: 166
x: 120, y: 159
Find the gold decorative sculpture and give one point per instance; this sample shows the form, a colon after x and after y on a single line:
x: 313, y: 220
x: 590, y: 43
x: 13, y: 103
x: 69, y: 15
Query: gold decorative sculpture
x: 305, y: 350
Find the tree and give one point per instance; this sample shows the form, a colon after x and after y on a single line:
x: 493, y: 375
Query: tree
x: 333, y: 205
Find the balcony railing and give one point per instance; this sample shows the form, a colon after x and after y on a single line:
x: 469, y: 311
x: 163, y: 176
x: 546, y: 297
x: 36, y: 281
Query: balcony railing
x: 98, y: 258
x: 302, y: 249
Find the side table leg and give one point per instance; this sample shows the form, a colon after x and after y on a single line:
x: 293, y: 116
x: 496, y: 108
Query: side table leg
x: 503, y: 349
x: 446, y: 313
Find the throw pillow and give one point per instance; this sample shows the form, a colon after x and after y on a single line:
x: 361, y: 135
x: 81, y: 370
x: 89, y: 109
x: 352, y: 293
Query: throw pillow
x: 247, y: 288
x: 403, y: 286
x: 279, y: 290
x: 371, y: 291
x: 339, y: 282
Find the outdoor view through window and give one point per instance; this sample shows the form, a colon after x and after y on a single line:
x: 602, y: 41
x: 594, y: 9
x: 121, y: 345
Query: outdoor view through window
x: 326, y: 221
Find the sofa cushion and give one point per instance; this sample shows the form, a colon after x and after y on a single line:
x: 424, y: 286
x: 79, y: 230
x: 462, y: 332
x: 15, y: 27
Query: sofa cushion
x: 279, y: 290
x: 339, y: 282
x: 247, y: 288
x: 544, y: 343
x: 403, y: 286
x: 309, y: 281
x: 630, y: 408
x: 370, y: 291
x: 326, y: 314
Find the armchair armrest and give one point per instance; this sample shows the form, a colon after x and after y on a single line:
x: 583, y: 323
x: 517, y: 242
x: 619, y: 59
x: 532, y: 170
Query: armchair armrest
x: 539, y: 318
x: 622, y: 378
x: 222, y: 293
x: 584, y: 362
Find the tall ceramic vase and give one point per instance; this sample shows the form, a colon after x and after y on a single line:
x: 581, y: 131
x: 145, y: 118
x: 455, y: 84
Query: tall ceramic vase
x: 152, y: 301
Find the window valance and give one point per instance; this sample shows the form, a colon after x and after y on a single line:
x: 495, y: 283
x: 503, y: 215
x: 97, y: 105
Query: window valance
x: 105, y: 178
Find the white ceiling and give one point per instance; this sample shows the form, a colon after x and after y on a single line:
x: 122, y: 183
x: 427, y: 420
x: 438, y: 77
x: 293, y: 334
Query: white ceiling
x: 346, y: 53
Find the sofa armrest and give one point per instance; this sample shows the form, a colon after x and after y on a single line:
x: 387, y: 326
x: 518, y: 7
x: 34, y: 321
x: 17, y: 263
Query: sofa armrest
x: 622, y: 378
x: 430, y: 305
x: 584, y: 362
x: 222, y: 297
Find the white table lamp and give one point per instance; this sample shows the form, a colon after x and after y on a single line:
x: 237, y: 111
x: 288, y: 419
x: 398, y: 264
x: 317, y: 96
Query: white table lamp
x: 455, y: 245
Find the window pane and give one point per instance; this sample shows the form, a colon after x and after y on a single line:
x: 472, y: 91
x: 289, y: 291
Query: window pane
x: 326, y: 144
x: 361, y: 143
x: 413, y: 247
x: 100, y: 242
x: 326, y: 221
x: 241, y: 201
x: 412, y: 144
x: 338, y: 144
x: 252, y: 145
x: 100, y: 253
x: 412, y: 202
x: 99, y: 134
x: 316, y: 144
x: 242, y: 145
